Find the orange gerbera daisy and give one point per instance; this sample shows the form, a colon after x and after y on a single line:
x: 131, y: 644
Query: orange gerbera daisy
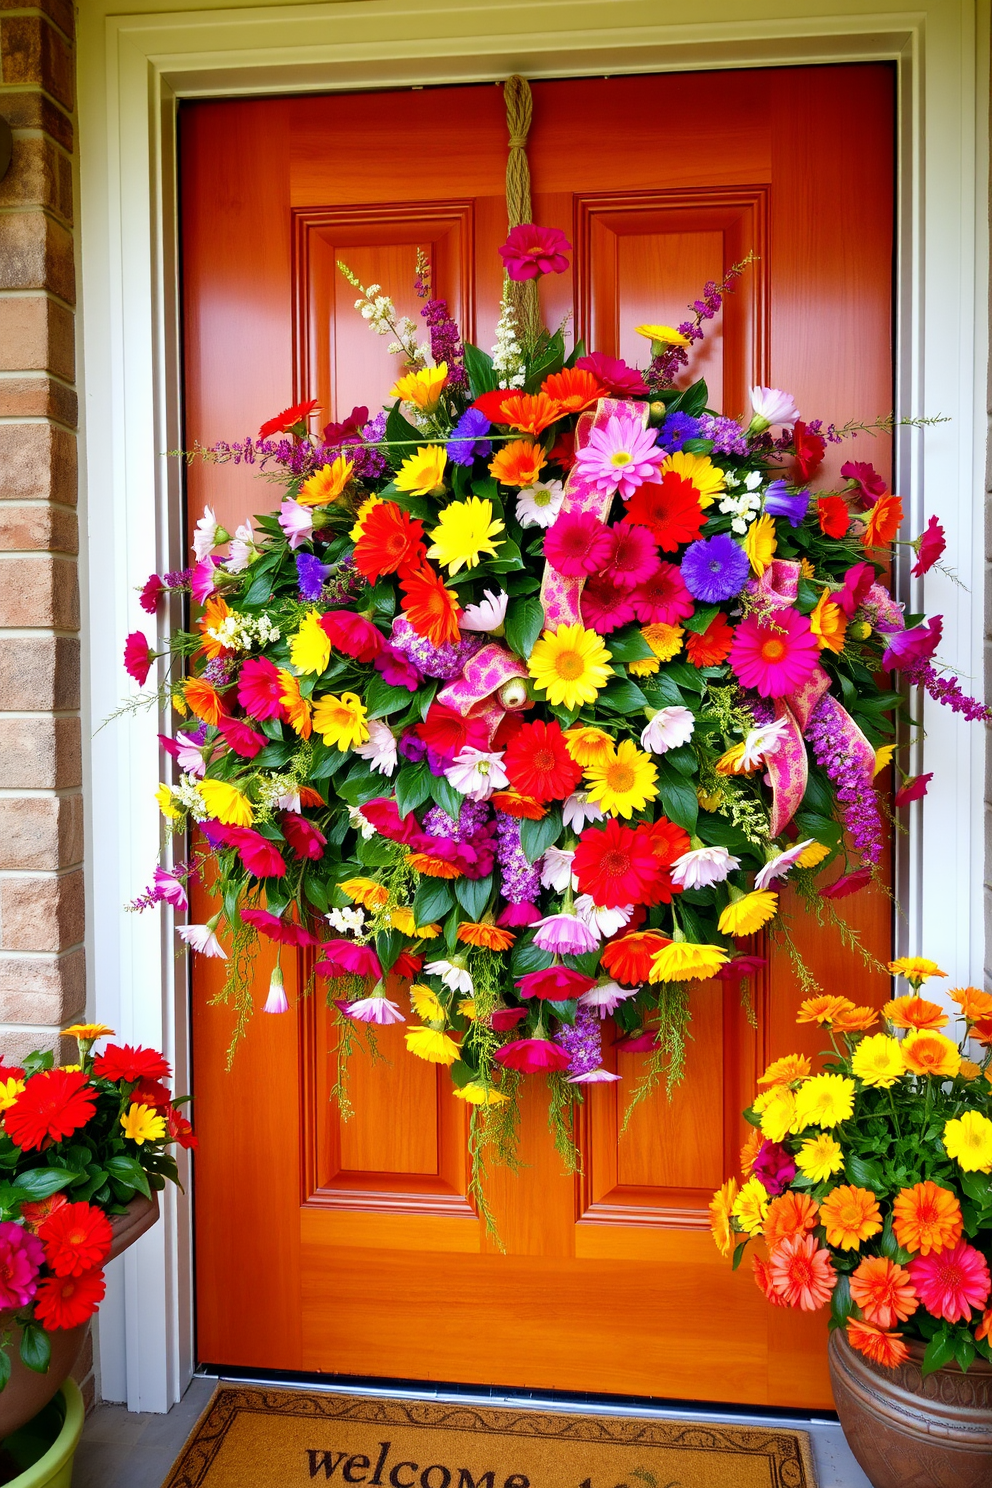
x: 790, y: 1214
x: 882, y: 522
x: 431, y: 609
x: 720, y: 1207
x: 204, y: 699
x: 914, y: 1012
x: 823, y: 1010
x: 391, y: 542
x: 762, y: 1277
x: 926, y: 1217
x: 930, y: 1054
x: 975, y: 1004
x: 876, y: 1344
x: 750, y: 1150
x: 884, y: 1291
x: 215, y: 612
x: 800, y: 1271
x: 630, y: 959
x: 531, y: 413
x: 490, y: 937
x: 785, y: 1070
x: 574, y: 389
x: 433, y: 867
x: 518, y: 463
x: 850, y: 1216
x: 514, y: 804
x: 857, y: 1020
x: 299, y: 712
x: 984, y: 1329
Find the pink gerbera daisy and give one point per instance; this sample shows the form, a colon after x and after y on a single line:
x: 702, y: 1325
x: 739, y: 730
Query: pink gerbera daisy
x: 138, y: 656
x: 605, y: 608
x: 774, y: 654
x: 634, y: 556
x: 259, y: 688
x: 577, y: 544
x: 662, y: 599
x: 950, y: 1283
x: 619, y: 457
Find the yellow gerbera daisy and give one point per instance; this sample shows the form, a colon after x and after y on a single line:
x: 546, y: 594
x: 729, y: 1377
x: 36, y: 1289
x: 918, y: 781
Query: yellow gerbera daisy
x: 570, y: 664
x: 824, y: 1100
x: 365, y: 891
x: 10, y: 1089
x: 431, y: 1044
x: 707, y: 478
x: 968, y: 1139
x: 341, y: 720
x: 777, y: 1111
x: 423, y: 389
x: 746, y: 915
x: 426, y: 1004
x: 877, y: 1061
x: 624, y: 782
x: 167, y: 802
x: 225, y: 803
x: 883, y: 757
x: 684, y: 962
x: 786, y: 1070
x: 327, y: 483
x: 819, y: 1158
x: 721, y: 1208
x: 828, y: 623
x: 403, y: 919
x: 478, y: 1094
x: 423, y: 472
x: 143, y: 1124
x: 760, y: 544
x: 588, y: 746
x: 665, y: 641
x: 815, y: 853
x: 464, y: 532
x: 367, y: 505
x: 310, y: 647
x: 89, y: 1032
x: 916, y: 969
x: 751, y: 1206
x: 662, y: 335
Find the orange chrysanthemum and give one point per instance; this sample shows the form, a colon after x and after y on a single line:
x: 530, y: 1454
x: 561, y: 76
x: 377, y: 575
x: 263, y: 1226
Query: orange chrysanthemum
x: 630, y: 959
x: 790, y: 1214
x: 926, y: 1217
x: 857, y: 1020
x: 514, y: 804
x: 850, y: 1216
x: 573, y: 390
x: 914, y: 1012
x: 531, y: 413
x: 876, y: 1344
x: 800, y: 1271
x: 431, y: 609
x: 215, y: 612
x: 975, y: 1004
x: 490, y: 937
x: 823, y: 1010
x: 785, y: 1070
x: 882, y: 522
x: 884, y: 1292
x: 930, y: 1054
x: 299, y: 712
x: 433, y: 867
x: 518, y: 463
x: 750, y: 1150
x: 204, y: 700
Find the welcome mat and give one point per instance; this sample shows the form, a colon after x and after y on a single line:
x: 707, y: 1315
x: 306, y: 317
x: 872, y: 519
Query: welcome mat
x: 251, y: 1438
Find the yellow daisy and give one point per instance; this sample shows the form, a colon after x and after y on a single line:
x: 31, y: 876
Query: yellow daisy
x: 968, y: 1139
x: 661, y: 335
x: 89, y: 1032
x: 365, y: 891
x: 225, y: 803
x: 464, y: 533
x: 588, y: 746
x: 707, y: 478
x: 624, y: 782
x: 10, y: 1089
x: 403, y: 919
x: 143, y: 1124
x: 341, y: 720
x: 665, y: 641
x: 746, y: 915
x: 819, y: 1158
x: 721, y: 1208
x: 810, y: 856
x: 167, y: 803
x: 367, y: 505
x: 431, y: 1044
x: 310, y: 647
x: 883, y: 757
x: 423, y: 389
x: 777, y: 1111
x: 877, y: 1061
x: 824, y: 1100
x: 426, y: 1004
x: 684, y: 962
x: 423, y: 472
x: 828, y: 623
x: 916, y: 969
x: 750, y: 1207
x: 760, y: 544
x: 570, y: 664
x: 327, y: 483
x: 478, y: 1094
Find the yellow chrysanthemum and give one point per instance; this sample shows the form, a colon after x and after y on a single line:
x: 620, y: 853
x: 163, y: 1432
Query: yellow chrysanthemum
x: 624, y: 782
x: 369, y: 504
x: 684, y: 962
x: 745, y: 916
x: 828, y: 623
x: 751, y: 1206
x: 298, y: 709
x: 969, y: 1070
x: 423, y: 389
x: 426, y: 1004
x: 877, y: 1061
x: 925, y: 1052
x: 403, y: 919
x: 588, y: 746
x: 341, y: 720
x: 327, y: 483
x: 570, y: 665
x: 916, y: 969
x: 88, y: 1032
x: 366, y: 892
x: 721, y: 1208
x: 707, y: 478
x: 431, y: 1044
x: 665, y: 641
x: 760, y: 544
x: 883, y: 757
x: 968, y: 1139
x: 225, y: 803
x: 310, y: 647
x: 786, y: 1071
x: 478, y: 1094
x: 464, y: 533
x: 776, y: 1109
x: 167, y: 802
x: 664, y: 335
x: 815, y: 853
x: 143, y: 1124
x: 10, y: 1089
x: 824, y: 1100
x: 819, y: 1158
x: 423, y: 472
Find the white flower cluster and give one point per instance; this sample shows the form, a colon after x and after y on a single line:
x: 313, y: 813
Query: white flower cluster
x: 242, y: 632
x: 507, y: 354
x: 746, y: 505
x: 189, y: 798
x: 347, y: 920
x: 278, y: 791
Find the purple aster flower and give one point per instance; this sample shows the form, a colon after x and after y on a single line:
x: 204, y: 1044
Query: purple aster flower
x: 715, y: 568
x: 779, y: 502
x: 412, y: 748
x: 677, y: 428
x: 311, y: 574
x: 583, y: 1040
x: 467, y: 443
x: 727, y: 435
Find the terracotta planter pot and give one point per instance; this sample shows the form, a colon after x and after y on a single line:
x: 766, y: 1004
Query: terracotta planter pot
x: 27, y: 1392
x: 911, y: 1432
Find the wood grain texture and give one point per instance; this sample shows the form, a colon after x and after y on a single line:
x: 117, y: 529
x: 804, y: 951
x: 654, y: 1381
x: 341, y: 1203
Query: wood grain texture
x: 351, y: 1247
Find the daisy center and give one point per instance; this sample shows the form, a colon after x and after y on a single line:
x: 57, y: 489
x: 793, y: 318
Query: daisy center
x: 773, y: 649
x: 544, y: 760
x: 542, y: 498
x: 569, y: 666
x: 616, y: 863
x: 620, y: 458
x: 620, y: 778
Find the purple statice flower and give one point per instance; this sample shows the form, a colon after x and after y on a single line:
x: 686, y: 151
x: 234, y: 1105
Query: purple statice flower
x: 220, y: 671
x: 715, y: 568
x: 850, y: 778
x: 775, y: 1167
x: 520, y: 881
x: 780, y: 502
x: 446, y: 341
x: 947, y: 690
x: 583, y: 1040
x: 443, y: 662
x: 467, y: 442
x: 370, y: 462
x: 310, y: 573
x: 677, y: 428
x: 473, y: 815
x: 726, y: 433
x: 178, y: 578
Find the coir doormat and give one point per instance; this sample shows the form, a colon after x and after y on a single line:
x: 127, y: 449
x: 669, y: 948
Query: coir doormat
x: 252, y: 1438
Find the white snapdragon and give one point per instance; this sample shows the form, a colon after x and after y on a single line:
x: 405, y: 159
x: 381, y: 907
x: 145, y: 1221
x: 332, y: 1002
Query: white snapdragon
x: 508, y: 354
x: 347, y: 921
x: 746, y: 504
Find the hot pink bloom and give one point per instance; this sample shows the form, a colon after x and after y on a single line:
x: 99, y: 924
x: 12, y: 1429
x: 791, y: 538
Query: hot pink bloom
x: 503, y: 1019
x: 913, y: 790
x: 283, y: 932
x: 150, y: 593
x: 259, y: 688
x: 950, y: 1283
x: 354, y: 635
x: 241, y: 737
x: 605, y: 607
x: 396, y: 669
x: 532, y: 1055
x: 138, y: 657
x: 346, y: 958
x: 638, y: 1043
x: 848, y: 883
x: 634, y: 557
x: 385, y: 817
x: 296, y: 522
x: 260, y: 856
x: 857, y: 582
x: 930, y: 546
x: 578, y: 544
x: 523, y: 913
x: 774, y: 655
x: 530, y: 251
x: 202, y: 582
x: 166, y: 886
x: 370, y: 1010
x: 619, y: 380
x: 554, y: 984
x: 739, y: 967
x: 662, y: 599
x: 306, y: 840
x: 869, y: 483
x: 21, y: 1257
x: 775, y: 1167
x: 906, y: 648
x: 620, y: 457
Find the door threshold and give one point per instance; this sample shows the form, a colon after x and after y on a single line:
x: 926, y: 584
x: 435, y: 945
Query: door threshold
x: 495, y: 1395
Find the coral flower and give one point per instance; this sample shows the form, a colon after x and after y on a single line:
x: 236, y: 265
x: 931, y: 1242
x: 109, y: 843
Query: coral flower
x: 423, y: 472
x: 883, y: 522
x: 775, y: 655
x: 833, y: 515
x: 465, y: 533
x: 662, y: 599
x: 340, y: 721
x: 763, y: 1281
x: 432, y: 610
x: 625, y: 782
x: 76, y: 1238
x: 850, y: 1216
x: 682, y: 962
x: 532, y: 1055
x: 616, y: 865
x: 297, y: 709
x: 801, y: 1272
x: 524, y: 808
x: 721, y: 1208
x: 578, y: 544
x: 968, y: 1139
x: 122, y: 1062
x: 915, y: 1012
x: 712, y: 646
x: 951, y: 1282
x: 630, y: 959
x: 53, y: 1104
x: 391, y: 542
x: 930, y: 1054
x: 204, y: 700
x: 518, y: 463
x: 570, y: 665
x: 326, y: 484
x: 877, y: 1345
x: 531, y: 413
x: 259, y: 688
x: 574, y: 389
x: 877, y: 1061
x: 620, y: 456
x: 670, y: 510
x: 790, y: 1214
x: 926, y: 1217
x: 67, y: 1301
x: 540, y: 765
x: 975, y: 1004
x: 490, y: 937
x: 884, y: 1292
x: 785, y: 1071
x: 286, y: 421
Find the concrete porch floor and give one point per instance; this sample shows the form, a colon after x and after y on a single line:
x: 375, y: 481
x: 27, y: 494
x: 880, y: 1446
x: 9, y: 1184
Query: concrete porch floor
x: 123, y: 1449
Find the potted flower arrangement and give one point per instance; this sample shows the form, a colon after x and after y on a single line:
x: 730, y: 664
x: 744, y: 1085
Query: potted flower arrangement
x: 867, y: 1185
x: 83, y: 1156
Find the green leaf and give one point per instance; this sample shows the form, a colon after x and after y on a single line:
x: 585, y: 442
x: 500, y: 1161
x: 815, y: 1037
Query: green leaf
x: 701, y: 619
x: 432, y: 900
x: 4, y: 1368
x: 940, y: 1351
x: 964, y: 1352
x: 380, y: 699
x: 889, y: 1245
x: 526, y: 956
x: 481, y: 376
x: 693, y: 401
x: 388, y: 944
x: 678, y: 797
x: 259, y: 590
x: 128, y: 1171
x: 403, y: 434
x: 41, y: 1183
x: 413, y: 788
x: 549, y: 356
x: 524, y: 623
x: 446, y: 796
x: 629, y: 645
x: 739, y: 1254
x: 473, y: 894
x: 808, y: 597
x: 508, y: 558
x: 537, y: 836
x: 623, y: 697
x: 864, y: 1173
x: 35, y: 1348
x: 841, y: 1302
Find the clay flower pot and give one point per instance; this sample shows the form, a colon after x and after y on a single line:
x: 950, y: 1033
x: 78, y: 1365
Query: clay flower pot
x: 911, y: 1432
x: 27, y: 1392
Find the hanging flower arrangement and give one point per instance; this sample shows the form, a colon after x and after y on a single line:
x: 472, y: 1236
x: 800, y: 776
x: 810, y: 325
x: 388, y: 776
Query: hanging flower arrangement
x: 524, y: 703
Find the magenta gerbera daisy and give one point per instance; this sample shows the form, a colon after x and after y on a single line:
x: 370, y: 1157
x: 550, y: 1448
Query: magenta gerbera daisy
x: 662, y: 599
x: 619, y: 457
x: 774, y: 654
x: 950, y: 1283
x: 634, y: 557
x: 578, y: 544
x: 606, y: 608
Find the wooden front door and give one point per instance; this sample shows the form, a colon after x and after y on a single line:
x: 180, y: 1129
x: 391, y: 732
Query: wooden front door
x: 350, y: 1246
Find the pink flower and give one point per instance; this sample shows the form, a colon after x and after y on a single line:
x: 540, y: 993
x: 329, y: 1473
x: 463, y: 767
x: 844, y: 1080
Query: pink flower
x: 906, y: 648
x: 848, y: 883
x: 530, y: 251
x: 202, y: 581
x: 283, y: 932
x: 578, y: 544
x: 565, y: 935
x: 296, y: 522
x: 503, y: 1019
x: 241, y: 738
x: 605, y: 607
x: 21, y: 1257
x: 594, y: 1077
x: 772, y: 406
x: 554, y: 984
x: 532, y: 1055
x: 277, y: 1001
x: 775, y: 1167
x: 370, y: 1010
x: 634, y: 557
x: 354, y: 635
x: 619, y: 457
x: 663, y: 598
x: 385, y: 817
x: 950, y: 1283
x: 774, y: 655
x: 138, y: 657
x: 306, y: 840
x: 523, y: 913
x: 153, y: 587
x: 260, y: 856
x: 259, y: 688
x: 739, y: 967
x: 638, y: 1043
x: 166, y: 886
x: 857, y: 582
x: 619, y: 380
x: 929, y: 547
x: 396, y: 669
x: 867, y: 481
x: 346, y: 958
x: 914, y: 790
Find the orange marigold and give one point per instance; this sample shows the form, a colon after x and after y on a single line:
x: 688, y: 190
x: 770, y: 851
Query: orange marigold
x: 975, y: 1004
x: 858, y: 1020
x: 876, y: 1344
x: 784, y: 1071
x: 792, y: 1213
x: 532, y: 413
x: 926, y: 1217
x: 850, y: 1215
x: 490, y: 937
x: 750, y: 1150
x: 914, y: 1012
x: 823, y: 1010
x: 518, y: 463
x: 431, y: 609
x: 573, y: 390
x: 882, y: 522
x: 204, y: 700
x: 432, y: 867
x: 884, y: 1291
x: 799, y: 1270
x: 930, y: 1054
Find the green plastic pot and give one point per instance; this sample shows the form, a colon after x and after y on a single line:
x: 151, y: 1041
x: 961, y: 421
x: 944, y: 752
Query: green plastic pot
x: 45, y: 1447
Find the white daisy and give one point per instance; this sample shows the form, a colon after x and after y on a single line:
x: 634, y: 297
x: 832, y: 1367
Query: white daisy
x: 488, y: 615
x: 761, y: 742
x: 475, y: 773
x: 380, y: 748
x: 607, y: 996
x: 702, y: 866
x: 452, y: 975
x: 780, y: 865
x: 556, y: 869
x: 538, y: 505
x: 669, y: 728
x: 605, y: 922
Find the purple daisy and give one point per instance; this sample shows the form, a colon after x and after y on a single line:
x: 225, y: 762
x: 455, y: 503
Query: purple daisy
x: 467, y: 443
x: 780, y: 502
x: 715, y: 569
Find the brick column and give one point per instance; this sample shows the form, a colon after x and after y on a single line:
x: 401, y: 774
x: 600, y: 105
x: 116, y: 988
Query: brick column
x: 42, y: 982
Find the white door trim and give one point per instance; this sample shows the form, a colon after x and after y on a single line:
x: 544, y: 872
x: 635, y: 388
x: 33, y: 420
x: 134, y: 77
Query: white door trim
x: 132, y: 70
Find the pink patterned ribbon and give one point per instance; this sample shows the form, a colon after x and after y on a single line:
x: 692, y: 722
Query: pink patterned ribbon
x: 473, y: 693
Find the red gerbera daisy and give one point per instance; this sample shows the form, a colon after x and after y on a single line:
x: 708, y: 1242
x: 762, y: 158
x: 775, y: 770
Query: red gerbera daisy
x: 121, y: 1062
x: 179, y: 1129
x: 76, y: 1238
x: 151, y: 1093
x: 53, y: 1104
x: 615, y: 864
x: 562, y: 452
x: 67, y: 1301
x: 662, y: 599
x: 390, y: 542
x: 670, y: 509
x: 669, y: 840
x: 431, y: 609
x: 539, y: 764
x: 284, y: 421
x: 834, y: 515
x: 809, y: 449
x: 447, y: 731
x: 713, y: 645
x: 34, y: 1215
x: 629, y: 959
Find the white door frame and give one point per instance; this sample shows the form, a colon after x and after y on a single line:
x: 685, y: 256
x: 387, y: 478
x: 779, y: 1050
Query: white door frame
x: 132, y: 70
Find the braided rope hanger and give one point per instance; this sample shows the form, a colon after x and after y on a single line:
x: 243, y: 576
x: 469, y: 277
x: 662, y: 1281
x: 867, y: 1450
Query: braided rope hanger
x: 519, y: 113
